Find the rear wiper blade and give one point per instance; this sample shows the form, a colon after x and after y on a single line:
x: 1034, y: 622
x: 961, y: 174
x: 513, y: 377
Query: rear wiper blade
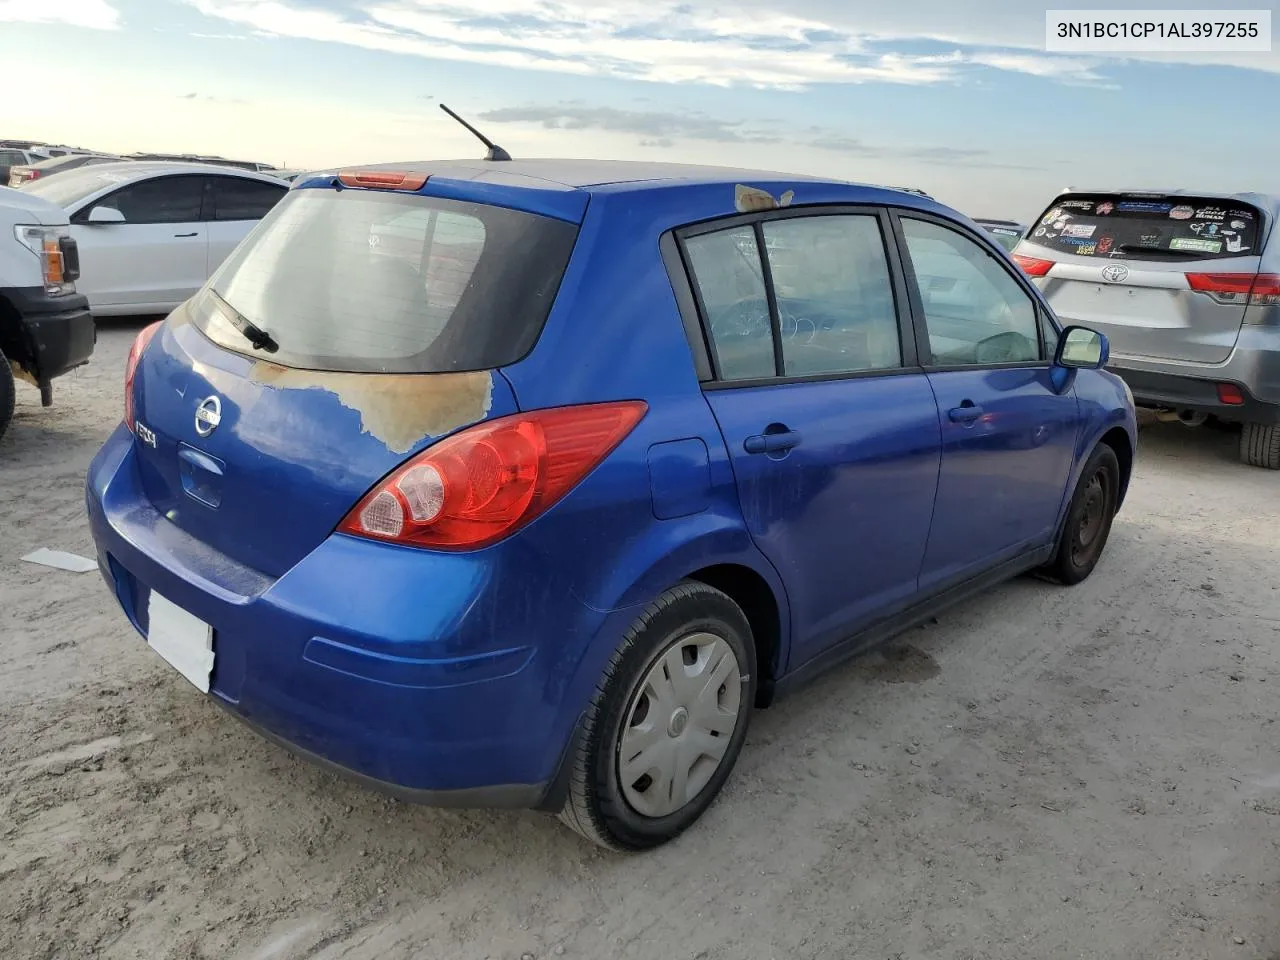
x: 1177, y: 254
x: 258, y: 338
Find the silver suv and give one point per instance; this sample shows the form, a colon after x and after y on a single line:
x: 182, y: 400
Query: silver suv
x: 1187, y: 288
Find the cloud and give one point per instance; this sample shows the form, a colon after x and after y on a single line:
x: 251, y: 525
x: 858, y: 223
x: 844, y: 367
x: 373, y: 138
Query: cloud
x: 205, y: 98
x: 659, y: 41
x: 95, y: 14
x: 654, y: 127
x: 660, y: 128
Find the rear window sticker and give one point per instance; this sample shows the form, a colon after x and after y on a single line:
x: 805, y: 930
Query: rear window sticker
x: 1236, y: 244
x: 1182, y: 213
x: 1104, y: 244
x: 1195, y: 244
x: 1211, y: 213
x: 1078, y: 230
x: 1237, y: 224
x: 1143, y: 206
x: 1105, y: 208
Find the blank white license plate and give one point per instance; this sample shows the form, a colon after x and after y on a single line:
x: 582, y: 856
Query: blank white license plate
x: 184, y: 640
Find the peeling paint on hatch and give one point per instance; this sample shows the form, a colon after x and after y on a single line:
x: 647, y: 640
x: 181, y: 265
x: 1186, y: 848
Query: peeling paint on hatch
x: 399, y: 409
x: 754, y: 200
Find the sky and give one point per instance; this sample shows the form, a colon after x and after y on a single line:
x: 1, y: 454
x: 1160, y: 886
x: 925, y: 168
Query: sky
x: 958, y: 99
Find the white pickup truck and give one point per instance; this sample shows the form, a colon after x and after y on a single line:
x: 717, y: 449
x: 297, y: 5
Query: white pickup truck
x: 45, y: 326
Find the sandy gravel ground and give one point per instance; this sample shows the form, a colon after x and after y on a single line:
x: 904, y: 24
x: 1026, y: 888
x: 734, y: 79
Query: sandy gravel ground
x: 1043, y: 773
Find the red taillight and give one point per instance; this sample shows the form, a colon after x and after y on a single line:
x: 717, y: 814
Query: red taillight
x: 1033, y: 266
x: 1230, y: 394
x: 1245, y: 289
x: 131, y: 367
x: 484, y: 483
x: 386, y: 179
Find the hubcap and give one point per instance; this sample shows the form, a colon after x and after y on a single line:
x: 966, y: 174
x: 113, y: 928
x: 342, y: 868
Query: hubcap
x: 1092, y: 518
x: 678, y: 724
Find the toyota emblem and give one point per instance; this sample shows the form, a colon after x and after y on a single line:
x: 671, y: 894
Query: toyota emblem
x: 1115, y: 273
x: 208, y: 416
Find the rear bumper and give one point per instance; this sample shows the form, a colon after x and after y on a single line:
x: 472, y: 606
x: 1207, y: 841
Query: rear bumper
x: 1162, y: 390
x: 1253, y: 366
x: 408, y: 670
x: 59, y: 331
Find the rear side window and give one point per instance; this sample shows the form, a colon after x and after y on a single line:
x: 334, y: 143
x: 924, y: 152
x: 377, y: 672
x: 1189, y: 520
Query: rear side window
x: 730, y: 281
x: 236, y: 198
x: 1149, y: 228
x: 12, y: 158
x: 366, y: 281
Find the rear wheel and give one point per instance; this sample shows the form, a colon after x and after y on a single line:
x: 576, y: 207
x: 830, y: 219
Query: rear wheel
x: 667, y: 723
x: 1260, y: 445
x: 1088, y: 521
x: 6, y: 393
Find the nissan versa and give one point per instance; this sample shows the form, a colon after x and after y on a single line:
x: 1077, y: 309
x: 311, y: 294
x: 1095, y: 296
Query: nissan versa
x: 519, y: 483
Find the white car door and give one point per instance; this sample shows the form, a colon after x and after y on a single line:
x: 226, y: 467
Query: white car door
x: 154, y: 259
x: 238, y: 203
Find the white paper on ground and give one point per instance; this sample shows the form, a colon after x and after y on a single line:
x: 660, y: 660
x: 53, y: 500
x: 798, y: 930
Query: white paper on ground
x: 61, y: 560
x: 184, y: 640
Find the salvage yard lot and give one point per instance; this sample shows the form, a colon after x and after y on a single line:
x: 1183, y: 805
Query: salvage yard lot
x: 1042, y: 773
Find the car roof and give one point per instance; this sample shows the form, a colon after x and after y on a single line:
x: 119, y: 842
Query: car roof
x: 583, y: 174
x: 1269, y: 202
x: 142, y: 168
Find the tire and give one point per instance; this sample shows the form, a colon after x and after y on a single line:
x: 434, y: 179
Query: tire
x: 1088, y: 522
x: 642, y: 809
x: 7, y: 391
x: 1260, y: 445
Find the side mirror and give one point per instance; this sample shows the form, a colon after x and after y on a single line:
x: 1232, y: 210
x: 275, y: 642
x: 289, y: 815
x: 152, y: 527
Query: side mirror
x: 106, y: 215
x: 1080, y: 348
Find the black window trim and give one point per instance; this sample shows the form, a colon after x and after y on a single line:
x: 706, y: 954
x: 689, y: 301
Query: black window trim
x: 996, y: 253
x: 693, y: 310
x: 81, y: 216
x: 209, y: 209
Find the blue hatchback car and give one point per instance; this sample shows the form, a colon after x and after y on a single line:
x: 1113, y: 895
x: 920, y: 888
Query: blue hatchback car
x: 521, y: 483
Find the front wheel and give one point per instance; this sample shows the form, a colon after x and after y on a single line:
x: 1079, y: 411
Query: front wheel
x: 1088, y: 521
x: 667, y: 722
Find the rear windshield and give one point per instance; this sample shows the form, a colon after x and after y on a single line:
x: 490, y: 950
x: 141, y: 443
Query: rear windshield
x: 1006, y: 236
x: 1149, y: 228
x: 369, y: 281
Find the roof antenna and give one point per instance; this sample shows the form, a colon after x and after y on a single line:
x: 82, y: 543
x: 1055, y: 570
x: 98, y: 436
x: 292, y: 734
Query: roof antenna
x: 495, y: 151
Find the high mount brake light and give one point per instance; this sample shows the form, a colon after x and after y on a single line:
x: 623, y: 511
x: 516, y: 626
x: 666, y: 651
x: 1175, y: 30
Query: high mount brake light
x: 1245, y: 289
x: 1032, y: 266
x: 383, y: 179
x: 484, y: 483
x: 131, y: 368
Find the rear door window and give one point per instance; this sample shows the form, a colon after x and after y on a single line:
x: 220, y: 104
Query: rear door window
x: 835, y: 300
x: 238, y: 198
x: 1159, y: 228
x: 369, y: 281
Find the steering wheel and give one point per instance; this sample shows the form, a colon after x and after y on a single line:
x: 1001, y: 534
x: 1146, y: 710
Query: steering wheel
x: 1007, y: 347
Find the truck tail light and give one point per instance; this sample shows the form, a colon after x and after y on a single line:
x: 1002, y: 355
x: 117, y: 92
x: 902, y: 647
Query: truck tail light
x: 484, y: 483
x: 131, y: 368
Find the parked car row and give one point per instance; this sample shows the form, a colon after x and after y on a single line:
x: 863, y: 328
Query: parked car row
x: 110, y: 238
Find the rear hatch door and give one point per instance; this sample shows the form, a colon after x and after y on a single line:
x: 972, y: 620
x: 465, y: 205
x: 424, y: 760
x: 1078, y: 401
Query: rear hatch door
x: 1134, y: 267
x: 350, y: 330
